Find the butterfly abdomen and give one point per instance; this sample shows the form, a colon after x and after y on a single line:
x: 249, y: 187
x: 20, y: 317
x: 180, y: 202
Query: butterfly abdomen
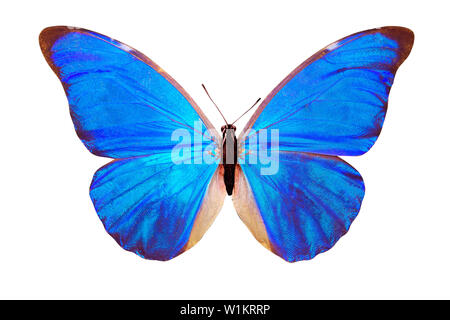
x: 229, y: 156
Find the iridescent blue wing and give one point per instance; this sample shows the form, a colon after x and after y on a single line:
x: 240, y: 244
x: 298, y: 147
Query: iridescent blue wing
x: 304, y: 208
x: 125, y: 107
x: 335, y: 102
x: 332, y: 104
x: 155, y: 208
x: 122, y: 104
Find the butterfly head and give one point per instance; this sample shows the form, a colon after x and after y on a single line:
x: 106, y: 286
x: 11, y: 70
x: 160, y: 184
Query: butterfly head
x: 228, y: 127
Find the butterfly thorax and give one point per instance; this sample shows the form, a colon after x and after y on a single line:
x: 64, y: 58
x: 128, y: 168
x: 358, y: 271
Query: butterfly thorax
x: 229, y: 155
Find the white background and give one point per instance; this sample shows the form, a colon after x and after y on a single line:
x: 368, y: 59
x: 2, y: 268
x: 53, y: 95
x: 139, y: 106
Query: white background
x: 52, y: 244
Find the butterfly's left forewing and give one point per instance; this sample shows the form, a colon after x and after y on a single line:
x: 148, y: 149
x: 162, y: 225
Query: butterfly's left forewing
x: 332, y: 104
x: 122, y: 104
x: 125, y: 107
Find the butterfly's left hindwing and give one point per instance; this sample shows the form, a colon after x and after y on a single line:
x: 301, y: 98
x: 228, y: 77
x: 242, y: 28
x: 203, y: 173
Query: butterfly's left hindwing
x: 124, y: 106
x: 154, y: 207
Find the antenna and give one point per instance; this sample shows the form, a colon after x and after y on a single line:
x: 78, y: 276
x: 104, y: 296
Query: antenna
x: 214, y: 103
x: 247, y: 110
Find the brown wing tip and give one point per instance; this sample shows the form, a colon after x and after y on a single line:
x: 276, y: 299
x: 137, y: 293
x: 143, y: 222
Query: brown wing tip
x: 47, y: 39
x: 49, y: 35
x: 402, y: 35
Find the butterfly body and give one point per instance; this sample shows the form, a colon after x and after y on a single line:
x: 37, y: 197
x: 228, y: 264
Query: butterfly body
x: 157, y: 198
x: 229, y: 156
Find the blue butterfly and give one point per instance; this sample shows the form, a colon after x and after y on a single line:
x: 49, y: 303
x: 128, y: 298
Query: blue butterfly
x: 125, y: 107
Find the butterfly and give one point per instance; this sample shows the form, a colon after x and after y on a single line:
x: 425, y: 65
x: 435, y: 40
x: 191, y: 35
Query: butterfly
x: 127, y: 108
